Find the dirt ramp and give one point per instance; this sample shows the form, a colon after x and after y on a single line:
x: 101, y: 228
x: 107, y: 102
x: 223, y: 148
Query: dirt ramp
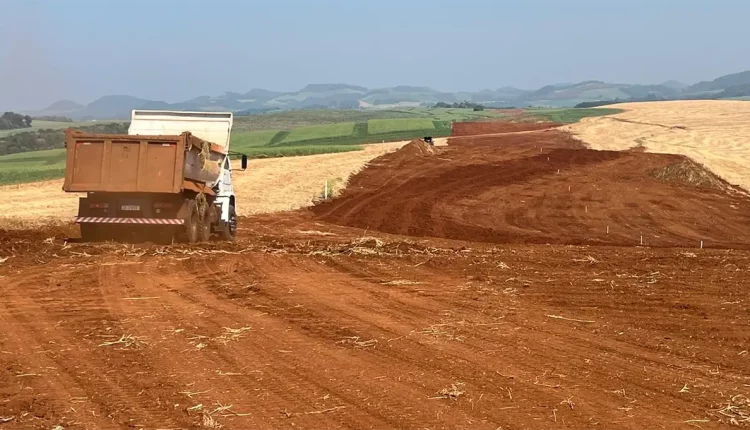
x: 540, y: 188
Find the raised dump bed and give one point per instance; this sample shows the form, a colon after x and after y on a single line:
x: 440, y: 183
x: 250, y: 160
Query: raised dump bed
x: 140, y: 164
x: 165, y: 174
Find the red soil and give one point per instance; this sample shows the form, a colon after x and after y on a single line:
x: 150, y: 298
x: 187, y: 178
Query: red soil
x: 308, y: 322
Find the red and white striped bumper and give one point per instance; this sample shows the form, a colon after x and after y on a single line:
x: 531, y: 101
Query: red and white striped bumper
x: 110, y: 220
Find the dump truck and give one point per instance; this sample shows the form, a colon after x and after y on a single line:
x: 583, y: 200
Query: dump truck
x: 169, y: 178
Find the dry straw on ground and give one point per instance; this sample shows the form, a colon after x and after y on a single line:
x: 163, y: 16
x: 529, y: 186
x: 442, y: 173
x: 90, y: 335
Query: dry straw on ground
x: 714, y: 133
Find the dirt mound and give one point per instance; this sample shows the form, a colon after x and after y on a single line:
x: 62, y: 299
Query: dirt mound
x: 688, y: 172
x: 543, y: 188
x: 718, y: 133
x: 491, y: 127
x: 416, y: 147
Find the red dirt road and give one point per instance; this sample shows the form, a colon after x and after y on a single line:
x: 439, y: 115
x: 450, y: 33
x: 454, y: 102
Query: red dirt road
x: 303, y: 323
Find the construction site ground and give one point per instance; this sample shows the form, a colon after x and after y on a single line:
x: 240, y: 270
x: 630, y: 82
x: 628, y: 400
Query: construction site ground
x: 512, y: 280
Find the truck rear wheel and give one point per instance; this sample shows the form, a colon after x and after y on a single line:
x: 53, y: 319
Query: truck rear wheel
x: 192, y: 223
x: 204, y: 229
x: 229, y: 232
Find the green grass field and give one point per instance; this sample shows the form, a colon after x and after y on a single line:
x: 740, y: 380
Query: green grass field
x: 308, y: 132
x: 244, y: 141
x: 32, y: 166
x: 381, y: 126
x: 293, y: 151
x: 315, y: 132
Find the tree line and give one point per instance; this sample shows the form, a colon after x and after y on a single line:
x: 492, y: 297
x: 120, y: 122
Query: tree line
x: 53, y: 118
x: 12, y: 120
x: 38, y: 140
x: 462, y: 105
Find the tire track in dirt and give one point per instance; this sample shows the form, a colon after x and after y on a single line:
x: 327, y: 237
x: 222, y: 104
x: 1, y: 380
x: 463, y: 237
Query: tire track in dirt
x: 110, y: 390
x: 474, y: 318
x: 227, y: 372
x: 619, y: 360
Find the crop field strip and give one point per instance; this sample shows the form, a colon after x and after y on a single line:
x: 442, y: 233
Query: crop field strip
x: 32, y: 166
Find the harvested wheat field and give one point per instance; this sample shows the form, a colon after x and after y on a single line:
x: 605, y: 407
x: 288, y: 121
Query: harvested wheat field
x: 712, y: 132
x: 497, y: 282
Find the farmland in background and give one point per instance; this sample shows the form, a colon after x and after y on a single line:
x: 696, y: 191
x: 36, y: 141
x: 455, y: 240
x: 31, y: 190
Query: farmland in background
x: 308, y: 132
x: 382, y: 126
x: 288, y: 120
x: 566, y: 116
x: 32, y: 166
x: 317, y: 132
x: 51, y: 125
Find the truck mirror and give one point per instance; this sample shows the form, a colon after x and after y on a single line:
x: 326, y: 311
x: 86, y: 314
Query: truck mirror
x: 244, y: 162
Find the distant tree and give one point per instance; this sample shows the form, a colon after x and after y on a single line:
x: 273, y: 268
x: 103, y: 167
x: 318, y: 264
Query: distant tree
x: 463, y: 105
x: 50, y: 139
x: 12, y: 120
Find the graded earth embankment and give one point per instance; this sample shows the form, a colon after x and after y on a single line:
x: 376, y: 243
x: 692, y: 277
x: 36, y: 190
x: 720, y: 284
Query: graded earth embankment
x: 543, y: 187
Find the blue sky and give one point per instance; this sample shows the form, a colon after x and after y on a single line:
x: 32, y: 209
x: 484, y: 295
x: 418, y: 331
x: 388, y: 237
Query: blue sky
x: 175, y: 50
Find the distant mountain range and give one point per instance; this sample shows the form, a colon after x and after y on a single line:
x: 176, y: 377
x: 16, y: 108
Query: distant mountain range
x: 342, y: 96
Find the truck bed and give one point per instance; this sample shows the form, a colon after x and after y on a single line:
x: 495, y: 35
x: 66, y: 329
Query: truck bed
x: 139, y: 163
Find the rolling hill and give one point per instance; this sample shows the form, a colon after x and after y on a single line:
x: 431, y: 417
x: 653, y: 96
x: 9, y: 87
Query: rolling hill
x: 344, y: 96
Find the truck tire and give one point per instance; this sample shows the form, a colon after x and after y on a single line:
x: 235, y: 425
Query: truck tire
x: 192, y: 223
x: 204, y: 229
x: 229, y: 232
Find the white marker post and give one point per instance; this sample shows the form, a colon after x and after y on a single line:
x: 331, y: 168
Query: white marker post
x: 325, y: 193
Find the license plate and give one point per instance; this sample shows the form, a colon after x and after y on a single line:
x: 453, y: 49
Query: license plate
x: 130, y: 208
